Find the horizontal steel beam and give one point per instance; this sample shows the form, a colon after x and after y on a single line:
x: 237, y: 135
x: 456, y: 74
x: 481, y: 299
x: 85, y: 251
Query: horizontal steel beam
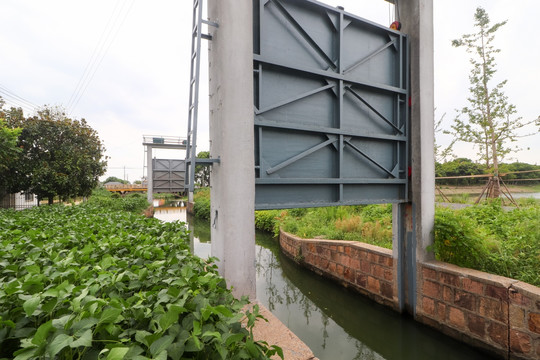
x: 327, y: 74
x: 328, y: 181
x: 260, y: 121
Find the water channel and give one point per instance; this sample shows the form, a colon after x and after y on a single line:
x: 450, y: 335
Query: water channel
x: 334, y: 322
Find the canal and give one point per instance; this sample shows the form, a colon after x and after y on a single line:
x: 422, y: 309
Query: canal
x: 334, y: 322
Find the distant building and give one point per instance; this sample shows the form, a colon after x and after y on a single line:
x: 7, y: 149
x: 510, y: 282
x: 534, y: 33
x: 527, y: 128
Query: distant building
x: 19, y: 201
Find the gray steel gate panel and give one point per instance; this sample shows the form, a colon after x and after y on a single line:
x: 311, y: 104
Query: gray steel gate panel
x: 331, y: 107
x: 168, y: 175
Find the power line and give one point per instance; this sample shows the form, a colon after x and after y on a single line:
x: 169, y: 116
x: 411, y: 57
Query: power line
x: 106, y: 40
x: 11, y: 98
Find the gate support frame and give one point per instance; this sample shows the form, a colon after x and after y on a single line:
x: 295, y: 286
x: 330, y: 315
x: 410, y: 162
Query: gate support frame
x: 413, y: 222
x: 232, y: 182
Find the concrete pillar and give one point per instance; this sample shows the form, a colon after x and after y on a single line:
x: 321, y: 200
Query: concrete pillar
x: 232, y: 141
x: 418, y: 217
x: 149, y: 179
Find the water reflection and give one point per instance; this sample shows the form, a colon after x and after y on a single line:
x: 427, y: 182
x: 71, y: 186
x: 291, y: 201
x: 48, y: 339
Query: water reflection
x: 199, y: 230
x: 333, y: 322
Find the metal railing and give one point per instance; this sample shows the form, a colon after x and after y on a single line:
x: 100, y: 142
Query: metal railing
x: 164, y: 140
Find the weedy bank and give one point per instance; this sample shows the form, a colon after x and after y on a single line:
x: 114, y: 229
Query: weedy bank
x: 486, y: 237
x: 94, y: 281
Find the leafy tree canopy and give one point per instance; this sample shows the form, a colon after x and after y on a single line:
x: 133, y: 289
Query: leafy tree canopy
x: 202, y: 172
x: 489, y: 121
x: 115, y: 179
x: 58, y: 157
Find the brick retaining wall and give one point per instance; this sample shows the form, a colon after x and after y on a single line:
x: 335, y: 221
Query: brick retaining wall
x: 366, y: 268
x: 485, y: 310
x: 498, y: 314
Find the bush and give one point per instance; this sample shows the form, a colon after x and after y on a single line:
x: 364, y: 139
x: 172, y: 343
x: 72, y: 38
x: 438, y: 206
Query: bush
x: 135, y: 203
x: 457, y: 239
x: 267, y: 220
x: 488, y: 238
x: 201, y: 206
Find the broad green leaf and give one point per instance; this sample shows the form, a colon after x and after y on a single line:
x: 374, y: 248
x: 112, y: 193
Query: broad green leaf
x: 193, y: 344
x: 140, y: 336
x: 61, y: 322
x: 222, y: 309
x: 161, y: 344
x: 279, y: 351
x: 106, y: 262
x: 176, y: 350
x: 81, y: 326
x: 252, y: 348
x: 213, y: 334
x: 161, y: 356
x: 167, y: 319
x: 51, y: 292
x: 49, y: 305
x: 31, y: 305
x: 234, y: 338
x: 206, y: 313
x: 42, y: 332
x: 25, y: 353
x: 134, y: 351
x: 58, y: 344
x: 109, y: 315
x: 196, y: 328
x: 84, y: 340
x: 117, y: 353
x: 33, y: 269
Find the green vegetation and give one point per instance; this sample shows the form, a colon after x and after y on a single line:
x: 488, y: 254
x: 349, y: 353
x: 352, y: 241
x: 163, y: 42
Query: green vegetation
x: 483, y: 237
x: 490, y: 121
x: 488, y: 238
x: 466, y: 167
x: 371, y: 224
x: 202, y: 172
x: 115, y: 179
x: 134, y: 202
x: 93, y: 282
x: 201, y: 206
x: 56, y: 157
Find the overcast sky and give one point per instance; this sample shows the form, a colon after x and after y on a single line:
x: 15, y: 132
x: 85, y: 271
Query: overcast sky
x: 124, y: 65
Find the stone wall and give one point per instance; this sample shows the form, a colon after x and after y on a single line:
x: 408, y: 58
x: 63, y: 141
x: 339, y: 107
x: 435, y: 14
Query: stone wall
x: 492, y: 312
x: 365, y: 268
x: 488, y: 311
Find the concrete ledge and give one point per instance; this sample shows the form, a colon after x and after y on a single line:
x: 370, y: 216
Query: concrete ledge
x: 274, y: 332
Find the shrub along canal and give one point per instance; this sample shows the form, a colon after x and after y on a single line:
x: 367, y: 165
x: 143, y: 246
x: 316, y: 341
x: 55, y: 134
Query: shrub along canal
x: 334, y: 322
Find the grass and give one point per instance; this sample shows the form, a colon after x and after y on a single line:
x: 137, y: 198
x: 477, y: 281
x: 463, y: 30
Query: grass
x: 488, y: 238
x: 371, y: 224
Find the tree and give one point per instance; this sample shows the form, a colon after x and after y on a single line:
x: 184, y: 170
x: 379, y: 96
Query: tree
x: 9, y: 151
x: 202, y: 172
x: 442, y: 154
x: 60, y: 156
x: 115, y: 179
x: 491, y: 123
x: 8, y: 144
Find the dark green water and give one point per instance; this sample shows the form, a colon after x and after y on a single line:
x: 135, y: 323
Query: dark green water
x: 334, y: 322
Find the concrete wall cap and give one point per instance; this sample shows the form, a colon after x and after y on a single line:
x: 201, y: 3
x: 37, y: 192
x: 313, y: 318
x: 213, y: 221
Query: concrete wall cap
x: 355, y: 244
x: 477, y: 275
